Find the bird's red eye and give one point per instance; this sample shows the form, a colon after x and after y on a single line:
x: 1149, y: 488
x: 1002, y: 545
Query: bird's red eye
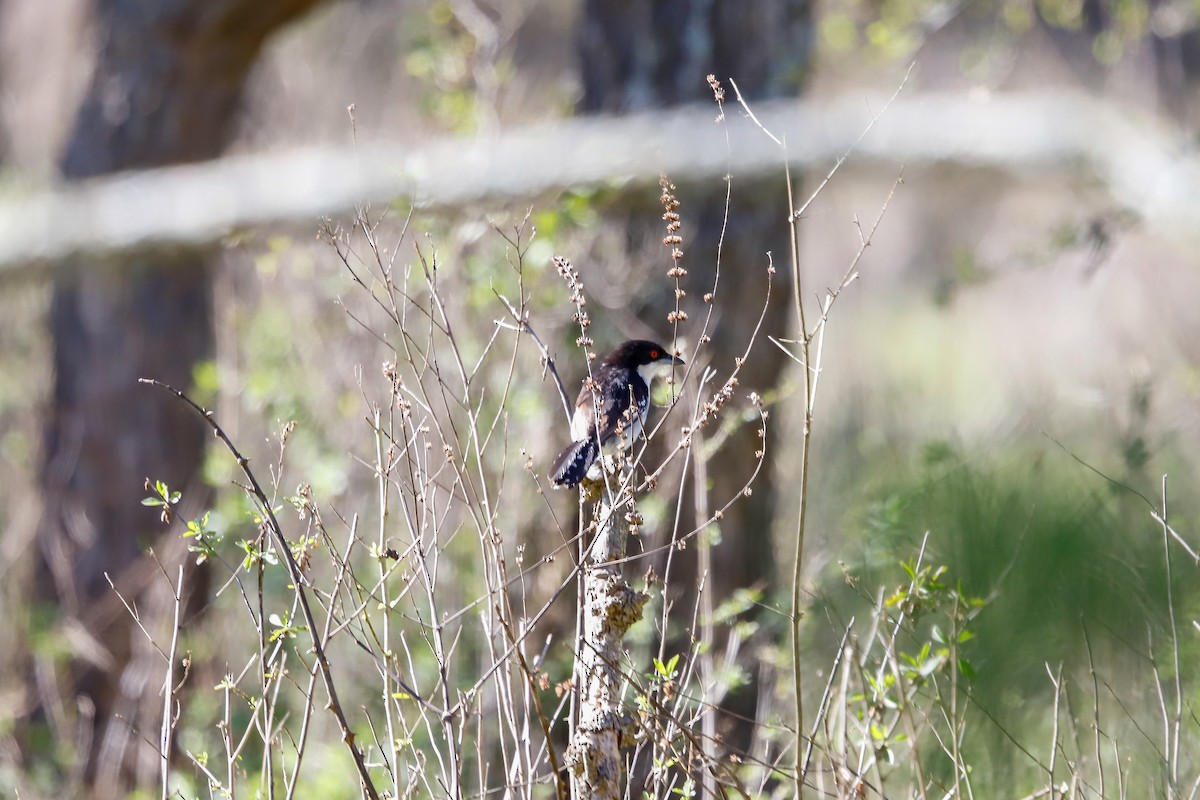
x: 654, y: 354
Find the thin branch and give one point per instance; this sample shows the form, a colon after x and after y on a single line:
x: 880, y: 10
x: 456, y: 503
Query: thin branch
x: 297, y: 577
x: 523, y: 326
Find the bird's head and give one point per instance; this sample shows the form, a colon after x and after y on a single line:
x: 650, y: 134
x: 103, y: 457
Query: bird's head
x: 648, y: 358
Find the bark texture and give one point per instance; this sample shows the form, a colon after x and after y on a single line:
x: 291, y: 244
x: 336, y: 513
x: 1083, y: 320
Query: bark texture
x: 165, y: 90
x: 642, y: 54
x: 610, y: 607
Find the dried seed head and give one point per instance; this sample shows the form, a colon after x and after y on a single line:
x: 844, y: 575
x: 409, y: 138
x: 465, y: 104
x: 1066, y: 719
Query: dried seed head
x: 717, y: 90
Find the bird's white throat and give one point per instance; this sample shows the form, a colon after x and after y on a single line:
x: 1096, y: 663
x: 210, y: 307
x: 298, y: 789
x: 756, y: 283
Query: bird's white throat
x: 656, y: 369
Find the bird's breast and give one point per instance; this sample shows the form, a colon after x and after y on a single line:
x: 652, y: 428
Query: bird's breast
x: 581, y: 423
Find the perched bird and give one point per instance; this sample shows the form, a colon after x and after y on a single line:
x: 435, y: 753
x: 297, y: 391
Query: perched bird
x: 622, y: 390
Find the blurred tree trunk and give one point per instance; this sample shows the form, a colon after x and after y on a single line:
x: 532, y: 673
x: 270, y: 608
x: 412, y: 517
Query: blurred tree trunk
x: 648, y: 54
x: 165, y: 90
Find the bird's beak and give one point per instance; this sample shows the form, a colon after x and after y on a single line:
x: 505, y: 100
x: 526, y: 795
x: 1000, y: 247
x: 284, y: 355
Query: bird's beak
x: 678, y: 361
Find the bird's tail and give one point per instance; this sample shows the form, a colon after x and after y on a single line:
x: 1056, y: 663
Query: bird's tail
x: 573, y: 463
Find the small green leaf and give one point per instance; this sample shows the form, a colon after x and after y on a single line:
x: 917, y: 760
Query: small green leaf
x: 931, y: 665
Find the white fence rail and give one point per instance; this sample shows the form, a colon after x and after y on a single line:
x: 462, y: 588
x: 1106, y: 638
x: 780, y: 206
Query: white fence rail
x: 1147, y: 166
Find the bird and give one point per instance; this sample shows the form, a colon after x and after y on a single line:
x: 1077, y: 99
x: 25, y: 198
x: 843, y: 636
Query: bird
x: 621, y: 386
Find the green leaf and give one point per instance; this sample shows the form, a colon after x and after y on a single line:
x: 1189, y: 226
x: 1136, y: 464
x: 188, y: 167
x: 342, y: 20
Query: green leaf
x: 931, y: 665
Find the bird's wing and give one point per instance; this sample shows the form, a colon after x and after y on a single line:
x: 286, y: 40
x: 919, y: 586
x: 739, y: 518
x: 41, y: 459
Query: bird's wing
x: 613, y: 406
x: 583, y: 423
